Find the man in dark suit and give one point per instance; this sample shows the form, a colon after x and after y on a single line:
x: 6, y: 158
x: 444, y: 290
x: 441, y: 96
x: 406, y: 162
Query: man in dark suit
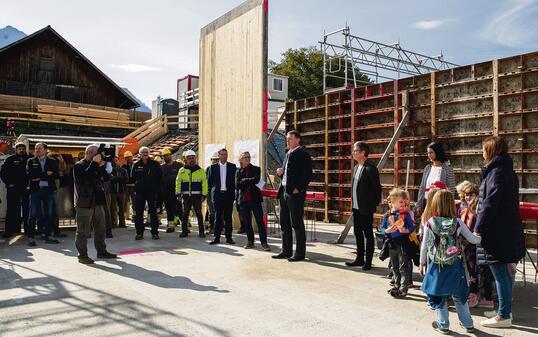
x: 221, y: 183
x: 296, y: 174
x: 365, y: 196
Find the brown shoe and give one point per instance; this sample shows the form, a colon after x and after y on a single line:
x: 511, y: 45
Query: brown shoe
x: 249, y: 245
x: 266, y: 247
x: 85, y: 260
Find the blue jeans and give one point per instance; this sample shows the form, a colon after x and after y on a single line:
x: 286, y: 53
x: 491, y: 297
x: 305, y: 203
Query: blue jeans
x: 42, y: 200
x: 464, y: 315
x: 503, y: 281
x: 257, y: 211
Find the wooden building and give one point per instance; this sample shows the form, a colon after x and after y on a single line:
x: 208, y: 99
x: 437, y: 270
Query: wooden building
x: 45, y: 65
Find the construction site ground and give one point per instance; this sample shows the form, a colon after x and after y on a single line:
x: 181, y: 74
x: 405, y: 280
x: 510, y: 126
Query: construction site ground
x: 184, y: 287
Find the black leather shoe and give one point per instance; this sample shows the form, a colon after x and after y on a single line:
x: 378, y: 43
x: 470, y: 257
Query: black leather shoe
x: 155, y: 236
x: 53, y: 241
x: 31, y: 243
x: 139, y: 237
x: 356, y: 263
x: 106, y: 255
x: 201, y: 235
x: 367, y: 266
x: 214, y: 242
x: 281, y: 256
x: 295, y: 258
x: 230, y: 241
x: 183, y: 234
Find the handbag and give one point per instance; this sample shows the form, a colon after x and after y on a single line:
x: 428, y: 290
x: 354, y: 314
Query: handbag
x: 384, y: 253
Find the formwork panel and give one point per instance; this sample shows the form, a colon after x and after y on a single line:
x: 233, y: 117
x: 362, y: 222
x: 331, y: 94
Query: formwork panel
x: 464, y: 110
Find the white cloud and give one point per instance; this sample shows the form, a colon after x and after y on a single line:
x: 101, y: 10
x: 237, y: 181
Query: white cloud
x: 510, y: 26
x: 134, y: 68
x: 427, y: 25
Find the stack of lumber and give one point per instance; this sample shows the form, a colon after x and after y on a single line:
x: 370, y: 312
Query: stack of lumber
x: 61, y: 112
x: 81, y: 115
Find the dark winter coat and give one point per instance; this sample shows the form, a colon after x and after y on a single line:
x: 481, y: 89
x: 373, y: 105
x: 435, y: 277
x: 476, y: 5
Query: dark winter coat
x: 498, y: 220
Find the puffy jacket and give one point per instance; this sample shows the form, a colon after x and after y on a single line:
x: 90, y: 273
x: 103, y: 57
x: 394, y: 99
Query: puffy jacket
x: 13, y: 171
x: 498, y: 220
x: 191, y: 180
x: 36, y: 174
x: 147, y: 177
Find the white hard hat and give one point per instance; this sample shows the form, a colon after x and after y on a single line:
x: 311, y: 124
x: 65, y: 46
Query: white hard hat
x: 190, y: 153
x: 215, y: 155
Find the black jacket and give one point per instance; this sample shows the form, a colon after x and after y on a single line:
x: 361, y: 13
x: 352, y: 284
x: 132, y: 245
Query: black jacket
x: 299, y: 171
x: 129, y: 169
x: 498, y: 220
x: 13, y: 171
x: 244, y: 183
x: 368, y: 188
x: 147, y: 177
x: 169, y: 173
x: 214, y: 183
x: 88, y: 180
x: 118, y: 180
x: 33, y: 170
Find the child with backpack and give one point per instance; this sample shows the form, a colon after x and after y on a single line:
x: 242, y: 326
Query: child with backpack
x: 441, y: 251
x: 397, y: 225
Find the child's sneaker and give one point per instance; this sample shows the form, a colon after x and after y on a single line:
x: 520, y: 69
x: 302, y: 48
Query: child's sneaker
x: 483, y: 303
x: 397, y: 293
x: 473, y: 300
x: 437, y: 328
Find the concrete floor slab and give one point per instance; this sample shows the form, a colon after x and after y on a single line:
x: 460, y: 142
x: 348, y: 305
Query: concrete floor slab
x: 184, y: 287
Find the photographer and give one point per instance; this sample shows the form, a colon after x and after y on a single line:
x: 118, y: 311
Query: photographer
x: 89, y: 175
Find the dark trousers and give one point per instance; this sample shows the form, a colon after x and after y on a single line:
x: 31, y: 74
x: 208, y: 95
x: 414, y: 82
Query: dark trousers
x: 173, y: 207
x: 141, y: 198
x: 224, y: 205
x: 17, y: 202
x: 362, y: 227
x: 210, y: 214
x: 117, y: 208
x: 292, y: 216
x: 247, y: 210
x: 42, y: 210
x: 192, y: 201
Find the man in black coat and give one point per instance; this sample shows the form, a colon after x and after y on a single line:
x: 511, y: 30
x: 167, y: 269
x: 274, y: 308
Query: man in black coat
x: 42, y: 173
x: 221, y: 183
x: 13, y: 174
x: 249, y: 200
x: 296, y: 174
x: 365, y: 196
x: 146, y: 174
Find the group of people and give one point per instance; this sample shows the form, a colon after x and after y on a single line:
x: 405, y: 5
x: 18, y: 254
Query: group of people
x: 463, y: 248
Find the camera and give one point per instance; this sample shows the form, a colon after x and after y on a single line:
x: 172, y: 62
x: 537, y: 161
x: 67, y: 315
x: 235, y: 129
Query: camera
x: 104, y: 150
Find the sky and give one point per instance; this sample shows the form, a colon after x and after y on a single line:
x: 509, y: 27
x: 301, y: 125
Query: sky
x: 147, y: 45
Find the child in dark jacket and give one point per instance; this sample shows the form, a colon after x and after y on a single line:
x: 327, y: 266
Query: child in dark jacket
x: 397, y: 224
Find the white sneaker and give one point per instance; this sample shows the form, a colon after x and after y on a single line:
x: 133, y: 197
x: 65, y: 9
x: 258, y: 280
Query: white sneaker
x: 494, y: 323
x: 493, y: 313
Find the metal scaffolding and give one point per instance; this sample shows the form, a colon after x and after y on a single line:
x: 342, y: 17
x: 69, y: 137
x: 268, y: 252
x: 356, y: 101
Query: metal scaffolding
x: 346, y: 56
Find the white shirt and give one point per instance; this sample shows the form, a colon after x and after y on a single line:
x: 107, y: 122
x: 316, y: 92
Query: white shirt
x: 356, y: 179
x: 285, y: 175
x: 222, y: 168
x: 435, y: 175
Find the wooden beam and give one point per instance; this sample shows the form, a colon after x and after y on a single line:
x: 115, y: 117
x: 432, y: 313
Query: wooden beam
x: 495, y: 92
x: 396, y: 163
x: 275, y: 128
x: 295, y: 114
x: 433, y: 113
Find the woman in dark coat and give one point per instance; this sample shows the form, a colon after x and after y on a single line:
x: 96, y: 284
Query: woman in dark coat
x: 499, y: 224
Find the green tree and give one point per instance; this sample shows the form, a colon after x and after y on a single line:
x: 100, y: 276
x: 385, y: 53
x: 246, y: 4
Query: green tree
x: 304, y: 68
